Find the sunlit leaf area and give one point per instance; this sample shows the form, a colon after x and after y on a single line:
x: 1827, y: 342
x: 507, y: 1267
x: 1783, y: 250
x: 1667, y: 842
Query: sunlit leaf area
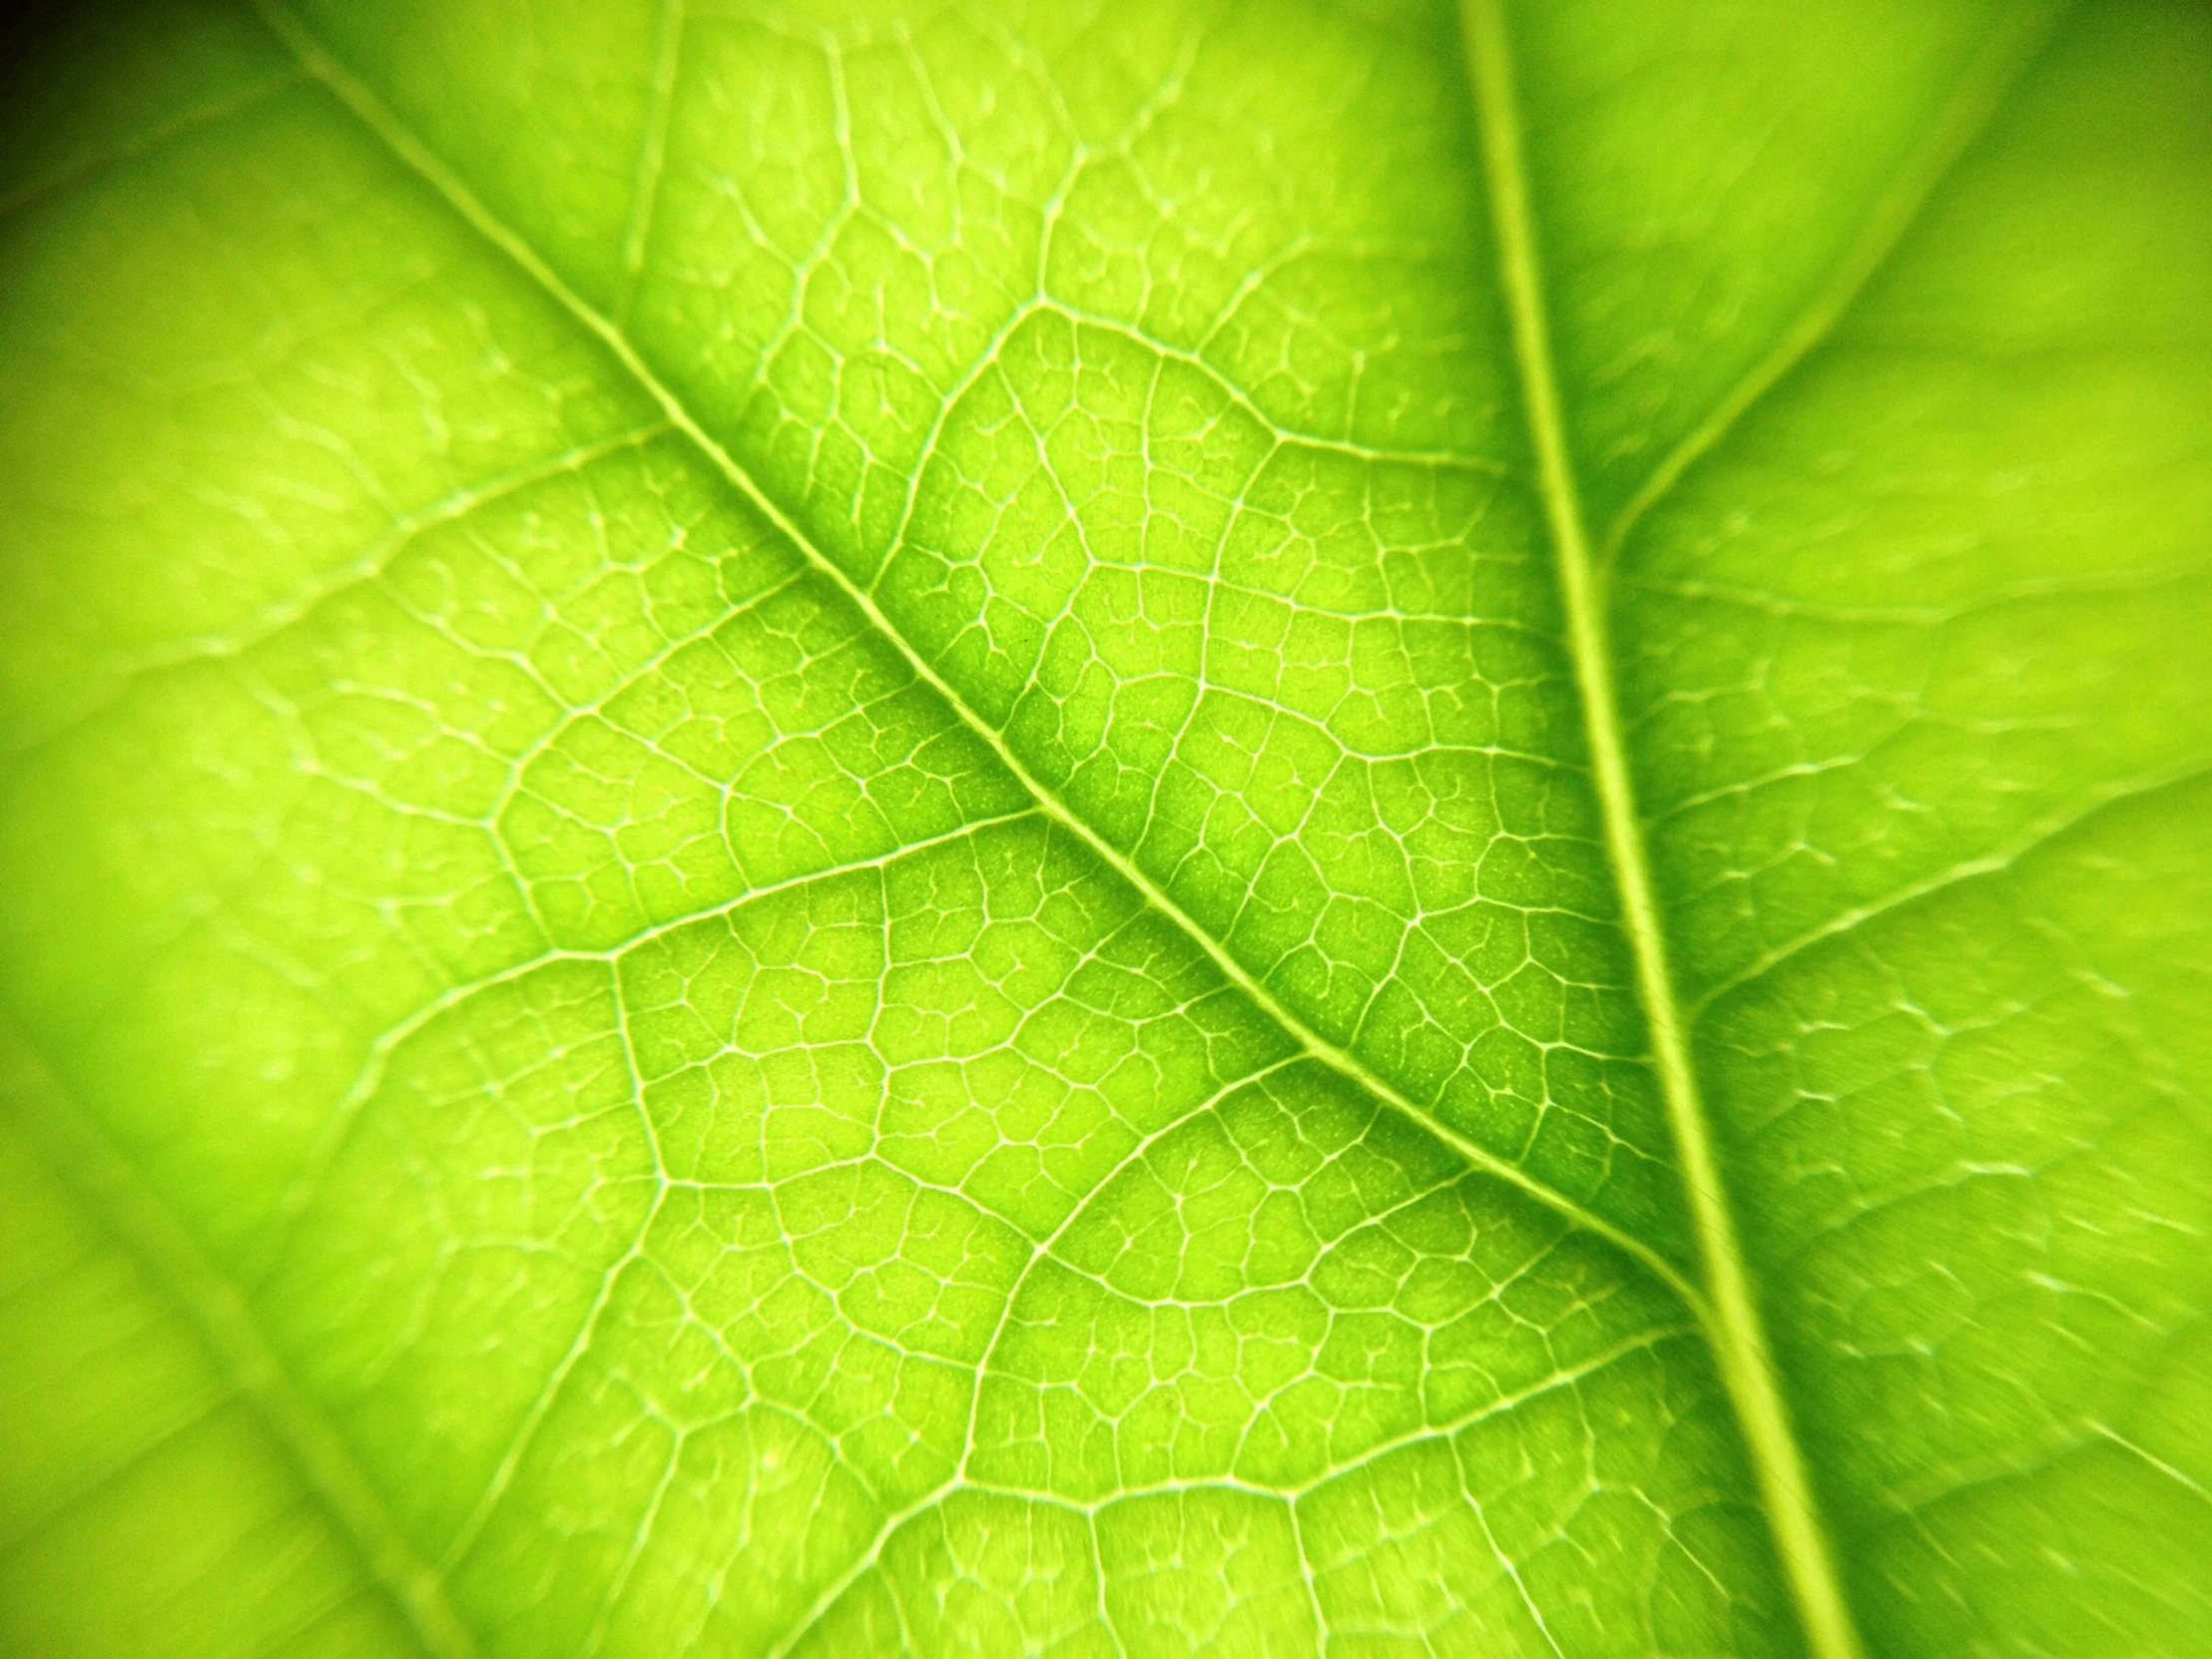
x: 1375, y: 829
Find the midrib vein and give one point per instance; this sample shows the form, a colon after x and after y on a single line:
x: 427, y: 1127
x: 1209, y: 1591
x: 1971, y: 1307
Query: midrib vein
x: 81, y: 1158
x: 391, y: 132
x: 1733, y: 1324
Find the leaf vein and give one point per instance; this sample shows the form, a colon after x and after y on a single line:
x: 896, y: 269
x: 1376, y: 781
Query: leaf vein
x: 1733, y: 1324
x: 79, y: 1154
x: 2036, y: 835
x: 385, y: 127
x: 1981, y: 93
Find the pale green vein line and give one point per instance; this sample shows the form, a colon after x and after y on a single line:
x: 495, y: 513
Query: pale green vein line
x: 826, y: 1599
x: 2195, y: 1487
x: 1738, y: 1337
x: 115, y: 679
x: 1980, y: 92
x: 111, y: 1474
x: 1945, y: 1483
x: 645, y: 191
x: 406, y: 528
x: 1513, y: 1575
x: 1569, y: 1377
x: 391, y: 132
x: 148, y: 142
x: 2053, y: 827
x: 290, y: 1207
x: 81, y: 1158
x: 1308, y: 1584
x: 1101, y: 1578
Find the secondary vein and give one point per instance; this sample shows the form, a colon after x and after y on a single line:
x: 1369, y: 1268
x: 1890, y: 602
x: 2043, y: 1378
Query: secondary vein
x: 1733, y: 1321
x: 389, y: 130
x: 1980, y: 92
x: 645, y: 189
x: 80, y: 1157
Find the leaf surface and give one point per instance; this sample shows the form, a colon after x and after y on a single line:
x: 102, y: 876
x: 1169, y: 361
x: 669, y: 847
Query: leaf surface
x: 1222, y: 827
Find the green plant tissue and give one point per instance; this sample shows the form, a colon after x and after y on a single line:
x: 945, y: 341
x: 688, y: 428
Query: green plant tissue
x: 1087, y: 828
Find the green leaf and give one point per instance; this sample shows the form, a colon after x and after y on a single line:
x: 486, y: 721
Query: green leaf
x: 1248, y: 827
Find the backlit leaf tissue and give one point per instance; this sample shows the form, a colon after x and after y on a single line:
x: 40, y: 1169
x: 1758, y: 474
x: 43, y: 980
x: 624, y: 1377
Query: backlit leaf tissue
x: 1106, y: 827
